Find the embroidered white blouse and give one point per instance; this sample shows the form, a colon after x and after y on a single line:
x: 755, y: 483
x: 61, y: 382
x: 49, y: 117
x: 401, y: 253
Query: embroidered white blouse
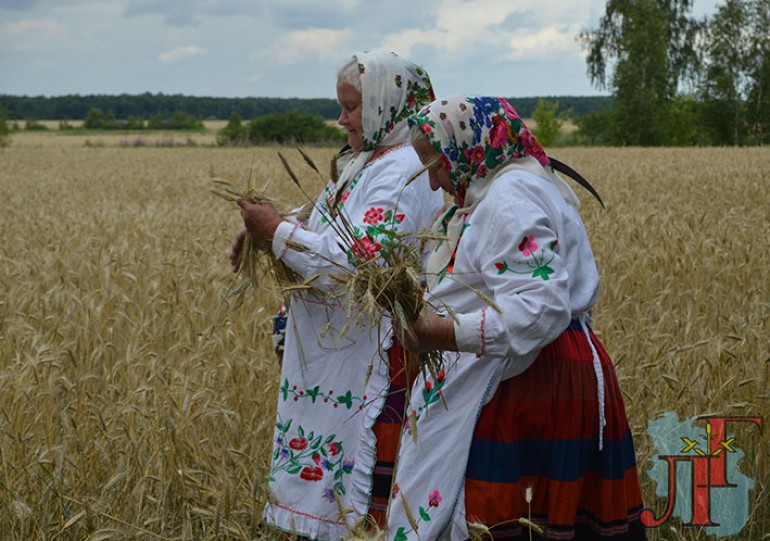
x: 333, y: 385
x: 525, y: 248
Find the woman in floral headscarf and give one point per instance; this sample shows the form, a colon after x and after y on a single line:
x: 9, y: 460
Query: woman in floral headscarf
x: 526, y: 420
x: 339, y: 410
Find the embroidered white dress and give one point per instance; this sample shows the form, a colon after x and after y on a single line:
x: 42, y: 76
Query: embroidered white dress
x: 334, y: 384
x: 526, y: 248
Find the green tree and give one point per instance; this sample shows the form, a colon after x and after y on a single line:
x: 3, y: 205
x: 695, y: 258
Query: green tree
x: 726, y: 65
x: 758, y: 101
x: 651, y: 45
x: 5, y: 130
x: 292, y: 127
x: 94, y: 120
x: 594, y: 127
x: 684, y: 120
x: 33, y: 125
x: 179, y: 120
x: 134, y: 123
x: 233, y: 133
x: 547, y: 123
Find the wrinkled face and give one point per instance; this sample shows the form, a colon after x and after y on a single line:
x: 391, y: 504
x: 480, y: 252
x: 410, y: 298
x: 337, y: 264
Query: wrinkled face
x: 438, y: 172
x: 350, y: 116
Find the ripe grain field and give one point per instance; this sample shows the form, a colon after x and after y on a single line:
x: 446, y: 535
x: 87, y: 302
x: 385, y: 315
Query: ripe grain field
x: 132, y: 408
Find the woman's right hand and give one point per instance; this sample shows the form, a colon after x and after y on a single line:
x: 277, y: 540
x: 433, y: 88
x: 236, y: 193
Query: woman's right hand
x: 235, y: 251
x: 428, y: 332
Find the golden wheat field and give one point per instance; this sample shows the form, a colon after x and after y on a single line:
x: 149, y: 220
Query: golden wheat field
x: 131, y: 407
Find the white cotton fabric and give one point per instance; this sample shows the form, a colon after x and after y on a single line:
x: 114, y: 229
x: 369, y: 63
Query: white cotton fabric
x: 325, y: 366
x: 494, y: 346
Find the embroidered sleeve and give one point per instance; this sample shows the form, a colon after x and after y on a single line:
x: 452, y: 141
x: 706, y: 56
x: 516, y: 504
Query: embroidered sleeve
x: 379, y: 207
x: 521, y: 268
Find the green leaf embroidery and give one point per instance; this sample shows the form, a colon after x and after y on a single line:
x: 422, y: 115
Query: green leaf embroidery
x: 543, y: 272
x: 346, y: 399
x: 316, y: 443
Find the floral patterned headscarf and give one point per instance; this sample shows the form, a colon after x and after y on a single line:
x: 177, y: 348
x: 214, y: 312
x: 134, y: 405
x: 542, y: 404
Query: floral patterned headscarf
x: 475, y: 135
x: 392, y: 89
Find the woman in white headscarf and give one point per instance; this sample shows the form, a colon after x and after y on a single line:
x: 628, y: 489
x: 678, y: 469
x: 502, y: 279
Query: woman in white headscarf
x: 334, y: 427
x: 527, y: 420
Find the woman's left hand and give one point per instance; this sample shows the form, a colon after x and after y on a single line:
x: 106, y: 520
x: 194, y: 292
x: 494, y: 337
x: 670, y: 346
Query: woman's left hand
x: 261, y: 219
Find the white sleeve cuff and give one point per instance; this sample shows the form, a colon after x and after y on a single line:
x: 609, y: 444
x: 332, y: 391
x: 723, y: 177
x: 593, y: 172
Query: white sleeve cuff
x: 284, y: 232
x: 470, y: 331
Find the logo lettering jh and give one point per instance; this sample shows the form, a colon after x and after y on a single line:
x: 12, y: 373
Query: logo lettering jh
x: 697, y: 472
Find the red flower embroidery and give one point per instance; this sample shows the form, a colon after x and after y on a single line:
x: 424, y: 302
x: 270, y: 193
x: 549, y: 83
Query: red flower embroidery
x: 334, y: 448
x: 528, y: 245
x: 400, y: 218
x: 373, y: 216
x: 500, y: 266
x: 365, y: 248
x: 428, y: 386
x: 434, y: 498
x: 440, y: 376
x: 311, y: 474
x: 316, y: 458
x: 298, y: 444
x: 395, y: 490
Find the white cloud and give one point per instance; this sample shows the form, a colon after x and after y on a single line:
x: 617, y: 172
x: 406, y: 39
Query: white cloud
x: 181, y: 53
x: 544, y: 43
x: 40, y: 28
x: 321, y: 43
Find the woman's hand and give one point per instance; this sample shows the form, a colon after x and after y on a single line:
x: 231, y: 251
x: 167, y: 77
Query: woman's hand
x: 429, y: 332
x: 235, y: 251
x: 261, y: 219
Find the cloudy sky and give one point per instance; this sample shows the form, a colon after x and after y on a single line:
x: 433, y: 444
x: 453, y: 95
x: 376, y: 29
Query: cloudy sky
x: 291, y: 48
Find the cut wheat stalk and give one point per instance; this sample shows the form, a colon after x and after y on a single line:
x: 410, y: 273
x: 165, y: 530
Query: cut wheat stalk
x: 377, y: 286
x: 257, y: 258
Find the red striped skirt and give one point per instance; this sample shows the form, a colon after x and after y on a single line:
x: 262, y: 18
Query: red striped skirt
x: 541, y: 431
x: 387, y: 429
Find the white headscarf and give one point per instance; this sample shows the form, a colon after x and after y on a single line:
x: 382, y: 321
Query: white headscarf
x: 392, y: 89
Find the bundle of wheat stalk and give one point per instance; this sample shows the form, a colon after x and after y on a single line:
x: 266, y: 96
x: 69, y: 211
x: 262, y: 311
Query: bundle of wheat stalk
x: 386, y: 283
x: 257, y: 259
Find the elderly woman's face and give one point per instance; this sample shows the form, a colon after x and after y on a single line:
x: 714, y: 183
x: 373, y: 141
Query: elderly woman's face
x: 437, y: 168
x: 350, y: 117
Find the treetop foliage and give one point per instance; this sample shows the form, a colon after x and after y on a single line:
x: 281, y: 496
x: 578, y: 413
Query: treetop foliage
x: 667, y: 91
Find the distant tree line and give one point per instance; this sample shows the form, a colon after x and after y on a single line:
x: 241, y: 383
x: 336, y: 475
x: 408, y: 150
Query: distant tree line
x: 147, y: 106
x: 179, y: 120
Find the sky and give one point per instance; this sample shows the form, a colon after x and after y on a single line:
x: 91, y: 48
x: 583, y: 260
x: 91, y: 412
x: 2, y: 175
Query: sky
x: 292, y: 48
